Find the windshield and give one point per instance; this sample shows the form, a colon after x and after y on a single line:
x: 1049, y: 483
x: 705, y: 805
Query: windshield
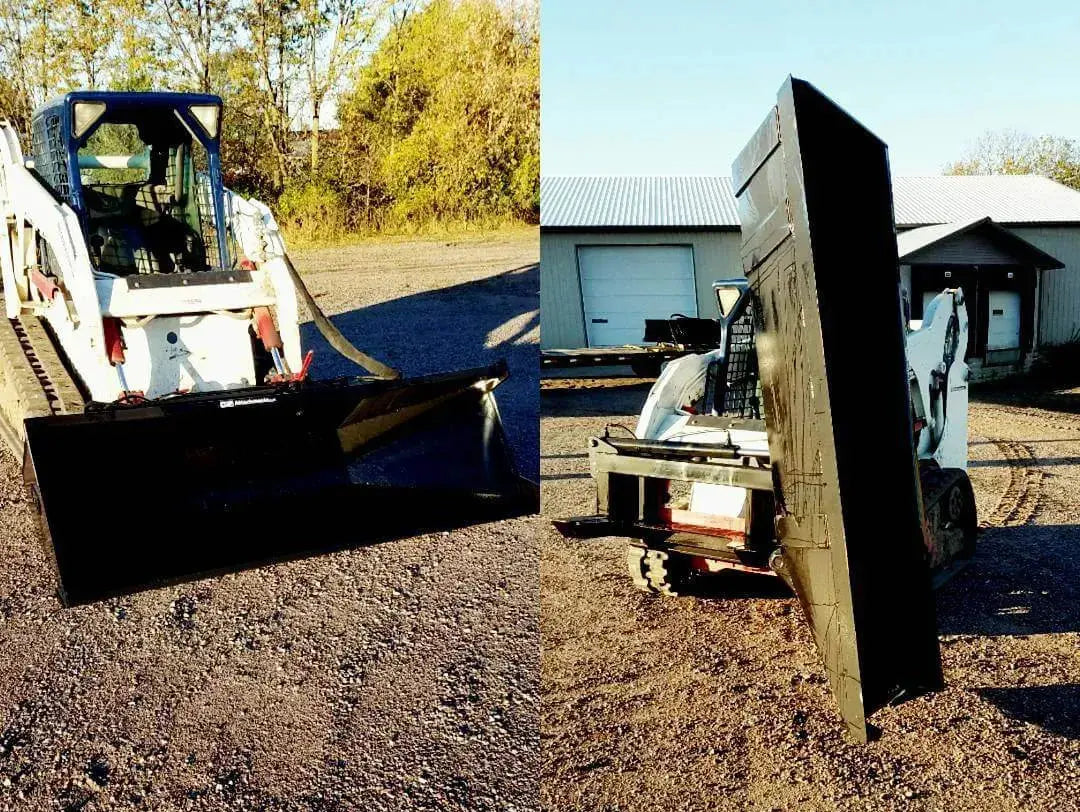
x: 142, y: 199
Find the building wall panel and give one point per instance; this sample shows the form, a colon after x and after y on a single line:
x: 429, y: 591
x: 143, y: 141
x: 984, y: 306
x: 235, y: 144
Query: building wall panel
x: 562, y: 323
x: 1059, y: 299
x: 972, y: 249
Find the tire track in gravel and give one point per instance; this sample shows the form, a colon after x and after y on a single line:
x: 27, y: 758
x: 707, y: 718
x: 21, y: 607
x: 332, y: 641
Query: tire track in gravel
x: 1044, y: 418
x: 1022, y: 498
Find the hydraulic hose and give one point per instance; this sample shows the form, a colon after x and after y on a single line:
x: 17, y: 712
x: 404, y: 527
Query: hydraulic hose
x: 333, y: 335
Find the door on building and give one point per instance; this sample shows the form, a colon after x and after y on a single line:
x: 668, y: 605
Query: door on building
x: 622, y: 285
x: 1003, y: 327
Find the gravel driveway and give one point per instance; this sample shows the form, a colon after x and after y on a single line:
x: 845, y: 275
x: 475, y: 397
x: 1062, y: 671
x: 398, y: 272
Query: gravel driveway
x: 398, y: 676
x: 721, y: 703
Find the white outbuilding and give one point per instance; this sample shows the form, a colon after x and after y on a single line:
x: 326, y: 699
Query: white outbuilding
x: 617, y: 250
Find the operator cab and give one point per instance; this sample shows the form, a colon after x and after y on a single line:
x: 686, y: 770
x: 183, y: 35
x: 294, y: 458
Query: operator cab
x: 733, y: 385
x: 142, y: 171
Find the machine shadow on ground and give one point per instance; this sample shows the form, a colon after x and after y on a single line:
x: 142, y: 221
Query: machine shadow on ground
x: 471, y: 324
x: 1023, y: 580
x: 1054, y: 708
x: 1043, y: 461
x: 1056, y: 393
x: 568, y: 397
x: 733, y: 585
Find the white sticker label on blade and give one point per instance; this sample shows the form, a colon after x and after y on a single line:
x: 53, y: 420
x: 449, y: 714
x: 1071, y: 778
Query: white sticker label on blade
x: 228, y: 404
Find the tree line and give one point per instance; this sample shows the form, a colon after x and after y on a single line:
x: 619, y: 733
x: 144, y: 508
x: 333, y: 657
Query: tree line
x: 1008, y: 152
x: 344, y: 114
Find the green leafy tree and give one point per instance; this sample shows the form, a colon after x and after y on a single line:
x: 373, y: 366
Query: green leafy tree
x: 332, y: 34
x: 266, y: 97
x: 438, y: 102
x: 252, y: 142
x: 196, y: 31
x: 1007, y: 152
x: 35, y: 51
x: 90, y: 28
x: 140, y: 57
x: 447, y: 114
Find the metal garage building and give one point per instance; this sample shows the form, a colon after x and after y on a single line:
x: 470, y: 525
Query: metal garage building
x: 614, y: 251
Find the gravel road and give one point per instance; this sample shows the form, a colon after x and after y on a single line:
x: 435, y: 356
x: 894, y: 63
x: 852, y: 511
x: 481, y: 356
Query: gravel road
x: 721, y: 703
x: 398, y: 676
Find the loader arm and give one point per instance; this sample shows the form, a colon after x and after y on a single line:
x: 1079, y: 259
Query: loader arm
x: 30, y: 209
x: 940, y: 379
x: 260, y: 240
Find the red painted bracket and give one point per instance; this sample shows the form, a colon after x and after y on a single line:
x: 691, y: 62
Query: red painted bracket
x: 46, y: 287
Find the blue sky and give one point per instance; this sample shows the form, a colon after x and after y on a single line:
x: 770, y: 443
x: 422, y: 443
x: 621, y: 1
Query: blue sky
x: 676, y: 88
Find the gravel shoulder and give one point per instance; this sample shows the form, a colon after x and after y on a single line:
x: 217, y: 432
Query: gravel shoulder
x: 720, y: 702
x: 397, y: 676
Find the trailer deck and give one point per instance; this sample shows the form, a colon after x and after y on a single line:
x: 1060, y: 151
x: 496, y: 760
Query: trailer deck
x: 644, y: 360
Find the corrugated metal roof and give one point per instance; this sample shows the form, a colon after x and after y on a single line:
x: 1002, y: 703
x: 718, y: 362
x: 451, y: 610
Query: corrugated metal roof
x: 1007, y: 199
x: 709, y: 202
x: 644, y: 202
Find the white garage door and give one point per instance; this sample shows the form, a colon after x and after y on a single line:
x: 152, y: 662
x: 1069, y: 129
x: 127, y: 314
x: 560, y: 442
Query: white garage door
x: 622, y: 285
x: 1004, y: 330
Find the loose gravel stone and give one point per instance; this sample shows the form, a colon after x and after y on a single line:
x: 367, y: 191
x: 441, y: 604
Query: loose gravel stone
x: 306, y: 685
x: 719, y: 702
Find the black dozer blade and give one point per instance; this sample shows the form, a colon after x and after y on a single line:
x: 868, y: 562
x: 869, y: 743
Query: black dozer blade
x: 132, y: 497
x: 819, y: 249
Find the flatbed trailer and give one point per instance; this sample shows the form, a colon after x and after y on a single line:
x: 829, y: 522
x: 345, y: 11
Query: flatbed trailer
x: 645, y: 361
x: 664, y: 340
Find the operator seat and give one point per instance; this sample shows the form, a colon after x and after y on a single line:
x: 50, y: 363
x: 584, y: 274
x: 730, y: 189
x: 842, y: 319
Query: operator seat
x: 141, y: 228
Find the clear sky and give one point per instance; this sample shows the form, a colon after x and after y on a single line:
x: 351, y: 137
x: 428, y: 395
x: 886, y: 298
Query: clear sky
x: 677, y: 87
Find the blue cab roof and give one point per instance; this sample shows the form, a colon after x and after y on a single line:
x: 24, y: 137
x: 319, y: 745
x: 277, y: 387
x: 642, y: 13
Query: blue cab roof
x: 128, y: 98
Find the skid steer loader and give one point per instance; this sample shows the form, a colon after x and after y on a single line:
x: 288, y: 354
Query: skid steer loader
x: 152, y: 379
x: 824, y: 439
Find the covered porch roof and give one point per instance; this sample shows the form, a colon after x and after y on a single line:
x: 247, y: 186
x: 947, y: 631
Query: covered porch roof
x: 979, y: 241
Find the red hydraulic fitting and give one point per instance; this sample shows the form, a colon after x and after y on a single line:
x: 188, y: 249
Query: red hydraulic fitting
x: 303, y: 373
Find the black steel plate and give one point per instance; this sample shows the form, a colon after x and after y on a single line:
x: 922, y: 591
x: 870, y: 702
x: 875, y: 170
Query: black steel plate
x: 132, y: 497
x: 819, y: 249
x: 145, y: 281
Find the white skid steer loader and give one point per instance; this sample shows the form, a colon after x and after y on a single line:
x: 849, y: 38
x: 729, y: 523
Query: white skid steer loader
x: 152, y: 378
x: 710, y: 404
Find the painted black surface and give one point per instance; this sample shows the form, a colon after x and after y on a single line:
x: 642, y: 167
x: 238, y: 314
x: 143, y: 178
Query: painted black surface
x: 170, y: 280
x: 819, y: 249
x: 250, y: 476
x: 701, y: 334
x: 848, y: 190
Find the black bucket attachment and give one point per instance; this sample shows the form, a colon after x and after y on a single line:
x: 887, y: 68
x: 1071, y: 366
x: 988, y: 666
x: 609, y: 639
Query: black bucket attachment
x: 819, y: 249
x: 134, y: 496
